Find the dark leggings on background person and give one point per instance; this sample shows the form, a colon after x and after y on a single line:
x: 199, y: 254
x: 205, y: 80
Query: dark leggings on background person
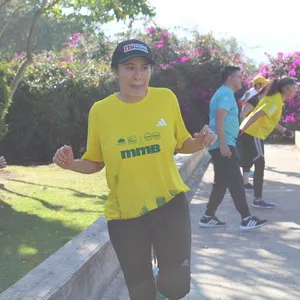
x: 253, y: 153
x: 227, y: 175
x: 168, y: 230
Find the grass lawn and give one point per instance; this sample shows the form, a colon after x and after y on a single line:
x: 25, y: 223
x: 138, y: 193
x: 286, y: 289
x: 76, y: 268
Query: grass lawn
x: 42, y: 208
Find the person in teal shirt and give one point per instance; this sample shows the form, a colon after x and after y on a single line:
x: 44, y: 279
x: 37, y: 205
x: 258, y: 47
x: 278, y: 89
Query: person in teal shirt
x: 224, y: 121
x: 224, y: 99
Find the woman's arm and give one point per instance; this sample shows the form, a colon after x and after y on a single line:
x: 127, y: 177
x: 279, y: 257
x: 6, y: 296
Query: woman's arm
x: 205, y: 138
x: 257, y: 115
x: 64, y: 158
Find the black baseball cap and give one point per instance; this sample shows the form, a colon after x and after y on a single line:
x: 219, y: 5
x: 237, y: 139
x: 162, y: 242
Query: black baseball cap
x: 129, y: 49
x: 286, y: 81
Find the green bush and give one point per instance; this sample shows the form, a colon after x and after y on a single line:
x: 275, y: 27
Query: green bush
x: 51, y: 104
x: 5, y: 100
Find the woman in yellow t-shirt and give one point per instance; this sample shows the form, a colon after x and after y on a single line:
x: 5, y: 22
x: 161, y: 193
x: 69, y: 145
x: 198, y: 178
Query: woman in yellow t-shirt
x: 134, y: 133
x: 258, y: 125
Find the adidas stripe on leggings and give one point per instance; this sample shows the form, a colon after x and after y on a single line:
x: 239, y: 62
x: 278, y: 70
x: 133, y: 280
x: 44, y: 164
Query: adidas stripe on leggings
x: 253, y: 154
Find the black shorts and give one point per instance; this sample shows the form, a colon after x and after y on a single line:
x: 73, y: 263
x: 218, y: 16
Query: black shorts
x: 252, y: 148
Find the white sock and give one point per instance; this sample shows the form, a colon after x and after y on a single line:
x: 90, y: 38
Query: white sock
x: 206, y: 216
x: 246, y: 219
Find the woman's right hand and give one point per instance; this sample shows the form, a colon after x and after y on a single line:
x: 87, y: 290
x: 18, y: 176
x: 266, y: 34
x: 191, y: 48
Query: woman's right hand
x: 225, y: 151
x: 64, y: 157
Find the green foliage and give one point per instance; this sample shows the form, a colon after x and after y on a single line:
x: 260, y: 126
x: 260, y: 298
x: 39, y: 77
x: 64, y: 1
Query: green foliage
x: 51, y: 105
x: 5, y: 100
x: 50, y: 32
x: 60, y: 19
x: 103, y: 11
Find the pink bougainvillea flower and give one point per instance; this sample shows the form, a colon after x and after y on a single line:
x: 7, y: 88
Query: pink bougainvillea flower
x: 150, y: 30
x: 75, y: 42
x: 76, y: 35
x: 67, y: 58
x: 68, y: 71
x: 165, y: 35
x: 175, y: 61
x: 184, y: 59
x: 296, y: 63
x: 159, y: 44
x: 280, y: 54
x: 290, y: 118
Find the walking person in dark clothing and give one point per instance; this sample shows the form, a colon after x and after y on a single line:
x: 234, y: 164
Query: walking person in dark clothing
x: 224, y: 121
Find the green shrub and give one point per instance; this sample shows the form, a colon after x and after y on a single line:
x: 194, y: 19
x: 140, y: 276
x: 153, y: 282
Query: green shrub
x: 51, y: 105
x: 5, y: 100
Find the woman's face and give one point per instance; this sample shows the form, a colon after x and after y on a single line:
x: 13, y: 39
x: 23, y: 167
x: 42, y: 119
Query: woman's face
x: 289, y: 90
x: 134, y: 76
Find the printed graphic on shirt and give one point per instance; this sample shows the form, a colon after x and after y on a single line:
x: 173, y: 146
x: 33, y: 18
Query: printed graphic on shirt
x: 144, y: 211
x: 139, y: 140
x: 121, y: 142
x: 173, y: 192
x: 160, y: 201
x: 273, y: 109
x: 140, y: 151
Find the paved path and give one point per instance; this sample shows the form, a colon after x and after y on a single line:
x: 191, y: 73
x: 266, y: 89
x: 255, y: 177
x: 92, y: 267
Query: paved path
x: 260, y: 264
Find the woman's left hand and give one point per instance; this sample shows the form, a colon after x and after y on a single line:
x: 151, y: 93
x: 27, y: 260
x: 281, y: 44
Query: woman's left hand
x: 206, y: 137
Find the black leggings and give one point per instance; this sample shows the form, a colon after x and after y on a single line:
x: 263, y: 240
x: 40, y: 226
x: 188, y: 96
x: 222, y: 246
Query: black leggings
x: 253, y: 153
x: 168, y: 230
x: 227, y: 175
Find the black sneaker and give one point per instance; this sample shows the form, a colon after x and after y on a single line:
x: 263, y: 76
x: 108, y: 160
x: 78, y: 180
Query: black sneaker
x: 262, y: 204
x: 252, y: 223
x: 211, y: 222
x: 248, y: 187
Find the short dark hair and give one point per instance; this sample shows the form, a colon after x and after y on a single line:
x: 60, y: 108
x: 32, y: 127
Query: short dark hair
x: 228, y: 71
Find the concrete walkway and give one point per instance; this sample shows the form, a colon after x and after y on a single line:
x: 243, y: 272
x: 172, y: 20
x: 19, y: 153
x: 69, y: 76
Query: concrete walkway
x: 259, y: 264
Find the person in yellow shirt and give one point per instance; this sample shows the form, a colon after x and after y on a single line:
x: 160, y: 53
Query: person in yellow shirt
x: 259, y: 124
x: 134, y: 134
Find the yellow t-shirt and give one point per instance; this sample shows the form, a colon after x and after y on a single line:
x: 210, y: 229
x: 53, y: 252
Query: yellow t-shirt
x: 272, y: 106
x: 136, y: 142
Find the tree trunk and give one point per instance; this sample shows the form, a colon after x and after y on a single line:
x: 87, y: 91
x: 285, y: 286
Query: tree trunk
x: 28, y: 60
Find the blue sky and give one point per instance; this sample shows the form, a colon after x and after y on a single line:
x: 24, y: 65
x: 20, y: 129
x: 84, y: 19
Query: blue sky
x: 259, y: 26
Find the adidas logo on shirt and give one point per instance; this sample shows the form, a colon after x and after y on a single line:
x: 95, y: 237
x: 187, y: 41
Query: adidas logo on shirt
x: 161, y: 122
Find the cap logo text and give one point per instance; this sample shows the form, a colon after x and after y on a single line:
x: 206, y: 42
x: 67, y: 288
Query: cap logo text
x: 135, y: 47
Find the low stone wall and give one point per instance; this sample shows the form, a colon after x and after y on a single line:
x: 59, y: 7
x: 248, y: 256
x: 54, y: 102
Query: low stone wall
x: 297, y: 139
